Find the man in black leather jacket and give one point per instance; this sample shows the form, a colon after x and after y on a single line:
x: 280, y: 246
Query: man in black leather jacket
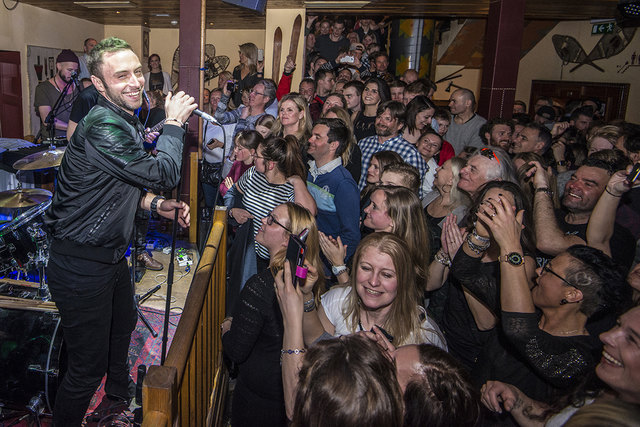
x: 101, y: 182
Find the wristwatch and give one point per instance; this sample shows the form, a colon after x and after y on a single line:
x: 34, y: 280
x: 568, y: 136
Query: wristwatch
x: 513, y: 258
x: 154, y: 203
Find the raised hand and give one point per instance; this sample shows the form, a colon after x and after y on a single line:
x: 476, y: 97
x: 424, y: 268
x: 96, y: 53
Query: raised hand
x: 179, y: 106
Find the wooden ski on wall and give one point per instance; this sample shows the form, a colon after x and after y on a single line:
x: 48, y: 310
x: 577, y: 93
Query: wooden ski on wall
x: 277, y: 51
x: 295, y: 37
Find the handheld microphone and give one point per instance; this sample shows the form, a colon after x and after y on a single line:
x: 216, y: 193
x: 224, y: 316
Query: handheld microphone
x: 205, y: 116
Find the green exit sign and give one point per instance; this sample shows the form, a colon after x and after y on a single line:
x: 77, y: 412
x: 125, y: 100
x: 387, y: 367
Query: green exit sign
x: 603, y: 28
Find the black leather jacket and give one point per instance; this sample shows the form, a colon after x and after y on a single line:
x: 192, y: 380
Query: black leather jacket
x: 101, y: 181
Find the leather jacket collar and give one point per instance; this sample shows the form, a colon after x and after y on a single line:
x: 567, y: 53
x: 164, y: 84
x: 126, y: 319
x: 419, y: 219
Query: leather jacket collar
x: 131, y: 119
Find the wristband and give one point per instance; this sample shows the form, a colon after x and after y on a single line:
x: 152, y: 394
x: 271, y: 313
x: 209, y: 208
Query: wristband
x: 607, y: 190
x: 338, y: 269
x: 545, y: 190
x: 154, y: 203
x: 175, y: 120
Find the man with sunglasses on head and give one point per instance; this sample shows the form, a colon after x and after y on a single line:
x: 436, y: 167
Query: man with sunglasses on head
x: 486, y: 164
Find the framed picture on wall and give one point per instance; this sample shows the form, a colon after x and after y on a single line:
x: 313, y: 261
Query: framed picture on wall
x: 145, y: 43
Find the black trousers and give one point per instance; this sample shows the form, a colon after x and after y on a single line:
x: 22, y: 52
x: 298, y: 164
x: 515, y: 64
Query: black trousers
x: 142, y: 227
x: 97, y: 311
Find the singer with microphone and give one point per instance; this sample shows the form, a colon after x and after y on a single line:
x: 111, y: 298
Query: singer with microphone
x: 101, y: 183
x: 48, y: 91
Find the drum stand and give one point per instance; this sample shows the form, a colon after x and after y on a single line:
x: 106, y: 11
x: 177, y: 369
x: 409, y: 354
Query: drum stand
x: 139, y: 299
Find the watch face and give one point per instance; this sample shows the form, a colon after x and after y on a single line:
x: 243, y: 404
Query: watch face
x: 515, y: 258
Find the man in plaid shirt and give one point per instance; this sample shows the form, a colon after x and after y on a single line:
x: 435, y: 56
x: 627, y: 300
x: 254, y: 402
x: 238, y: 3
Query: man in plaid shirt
x: 390, y: 119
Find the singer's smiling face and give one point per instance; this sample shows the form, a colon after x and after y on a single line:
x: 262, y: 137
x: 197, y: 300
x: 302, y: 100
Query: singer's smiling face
x: 65, y: 69
x: 122, y: 80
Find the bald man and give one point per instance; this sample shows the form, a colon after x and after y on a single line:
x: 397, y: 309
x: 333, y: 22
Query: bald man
x: 464, y: 130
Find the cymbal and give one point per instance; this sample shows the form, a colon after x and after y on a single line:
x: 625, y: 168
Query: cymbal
x: 24, y: 197
x: 45, y: 159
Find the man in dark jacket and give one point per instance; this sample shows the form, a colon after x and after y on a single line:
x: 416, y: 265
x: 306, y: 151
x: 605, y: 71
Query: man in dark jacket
x: 101, y: 182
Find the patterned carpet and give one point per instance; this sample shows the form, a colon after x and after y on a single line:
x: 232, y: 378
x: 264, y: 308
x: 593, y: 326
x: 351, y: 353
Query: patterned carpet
x: 143, y: 350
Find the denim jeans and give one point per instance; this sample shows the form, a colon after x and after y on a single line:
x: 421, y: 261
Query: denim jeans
x: 98, y: 315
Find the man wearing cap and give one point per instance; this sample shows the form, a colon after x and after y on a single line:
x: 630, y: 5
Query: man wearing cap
x: 545, y: 116
x: 48, y: 91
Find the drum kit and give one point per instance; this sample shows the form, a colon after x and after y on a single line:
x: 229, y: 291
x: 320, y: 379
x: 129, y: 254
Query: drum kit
x: 31, y: 364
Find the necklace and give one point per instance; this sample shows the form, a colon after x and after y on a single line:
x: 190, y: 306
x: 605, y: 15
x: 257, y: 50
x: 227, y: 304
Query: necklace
x: 583, y: 330
x: 56, y: 84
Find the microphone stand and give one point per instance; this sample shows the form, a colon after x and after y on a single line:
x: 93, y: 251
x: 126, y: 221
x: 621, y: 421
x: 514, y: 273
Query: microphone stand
x: 170, y: 268
x: 50, y: 121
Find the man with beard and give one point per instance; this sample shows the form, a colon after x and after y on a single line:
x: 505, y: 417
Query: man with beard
x: 558, y: 230
x: 533, y: 138
x: 101, y: 182
x: 390, y: 119
x: 48, y: 91
x: 497, y: 133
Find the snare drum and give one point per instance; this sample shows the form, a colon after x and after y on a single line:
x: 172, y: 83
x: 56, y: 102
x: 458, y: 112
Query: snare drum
x: 24, y: 244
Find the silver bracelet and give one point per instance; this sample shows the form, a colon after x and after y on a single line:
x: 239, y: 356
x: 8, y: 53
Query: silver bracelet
x: 478, y: 249
x: 310, y: 305
x: 480, y: 238
x: 443, y: 258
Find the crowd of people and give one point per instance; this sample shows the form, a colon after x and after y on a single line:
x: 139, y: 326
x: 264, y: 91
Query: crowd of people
x: 459, y: 271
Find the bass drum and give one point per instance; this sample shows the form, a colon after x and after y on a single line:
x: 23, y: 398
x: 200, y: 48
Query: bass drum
x: 31, y: 356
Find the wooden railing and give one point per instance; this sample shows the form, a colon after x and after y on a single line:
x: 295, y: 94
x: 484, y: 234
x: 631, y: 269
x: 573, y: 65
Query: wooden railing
x: 189, y: 389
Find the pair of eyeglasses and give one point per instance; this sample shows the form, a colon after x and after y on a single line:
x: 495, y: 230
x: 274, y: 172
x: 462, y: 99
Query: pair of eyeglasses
x: 489, y: 154
x: 271, y: 219
x: 548, y: 269
x: 258, y: 93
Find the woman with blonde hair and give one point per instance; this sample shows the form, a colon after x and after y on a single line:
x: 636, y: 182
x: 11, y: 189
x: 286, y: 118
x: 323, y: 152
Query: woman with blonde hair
x: 293, y: 118
x: 252, y: 338
x: 352, y: 156
x: 382, y: 291
x: 603, y: 138
x: 395, y: 210
x: 245, y: 75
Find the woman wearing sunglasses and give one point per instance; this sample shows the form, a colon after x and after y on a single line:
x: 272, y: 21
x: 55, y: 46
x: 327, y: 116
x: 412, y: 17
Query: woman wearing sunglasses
x: 252, y: 338
x: 547, y: 323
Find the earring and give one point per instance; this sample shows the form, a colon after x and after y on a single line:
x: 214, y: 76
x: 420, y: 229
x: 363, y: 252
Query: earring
x: 563, y: 301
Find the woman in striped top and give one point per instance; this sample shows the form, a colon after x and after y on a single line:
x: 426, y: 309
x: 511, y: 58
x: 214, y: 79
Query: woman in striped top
x: 277, y: 177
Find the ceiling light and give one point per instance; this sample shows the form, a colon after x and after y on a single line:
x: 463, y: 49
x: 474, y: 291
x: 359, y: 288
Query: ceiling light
x: 326, y: 4
x: 109, y: 4
x: 174, y: 22
x: 629, y: 8
x: 161, y: 14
